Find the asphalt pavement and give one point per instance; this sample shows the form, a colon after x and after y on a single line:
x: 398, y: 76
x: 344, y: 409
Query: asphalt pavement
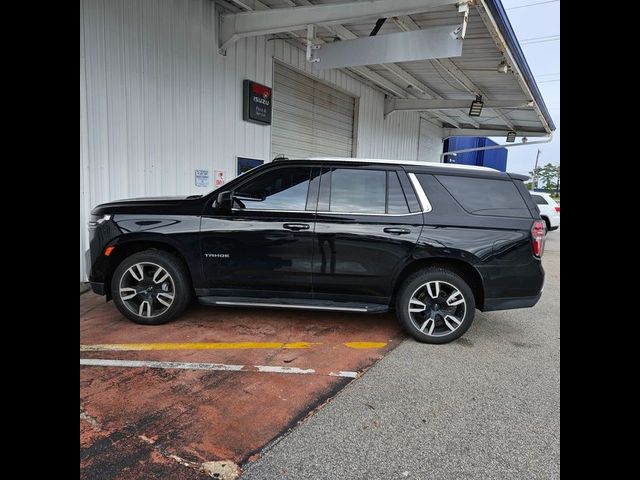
x: 486, y: 406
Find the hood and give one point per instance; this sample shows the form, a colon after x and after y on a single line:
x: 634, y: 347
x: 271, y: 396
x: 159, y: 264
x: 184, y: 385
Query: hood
x: 160, y: 205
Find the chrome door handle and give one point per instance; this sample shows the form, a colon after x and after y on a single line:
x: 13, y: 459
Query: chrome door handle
x: 397, y: 231
x: 296, y: 226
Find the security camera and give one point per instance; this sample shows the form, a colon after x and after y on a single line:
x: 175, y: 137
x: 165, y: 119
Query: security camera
x: 525, y: 139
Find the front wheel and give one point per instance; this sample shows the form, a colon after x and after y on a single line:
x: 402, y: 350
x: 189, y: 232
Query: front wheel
x: 151, y: 287
x: 435, y: 306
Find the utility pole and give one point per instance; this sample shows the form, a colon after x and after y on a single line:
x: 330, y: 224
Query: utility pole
x: 535, y: 167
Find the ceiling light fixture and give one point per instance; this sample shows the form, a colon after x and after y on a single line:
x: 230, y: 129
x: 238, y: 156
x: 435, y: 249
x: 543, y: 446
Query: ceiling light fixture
x: 503, y: 67
x: 511, y: 136
x: 476, y: 107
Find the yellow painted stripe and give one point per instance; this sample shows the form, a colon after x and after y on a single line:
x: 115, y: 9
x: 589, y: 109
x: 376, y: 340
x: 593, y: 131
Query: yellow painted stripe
x: 120, y: 347
x: 365, y: 344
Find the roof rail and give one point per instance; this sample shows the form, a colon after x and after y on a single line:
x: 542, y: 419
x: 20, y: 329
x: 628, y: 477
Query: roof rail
x: 452, y: 166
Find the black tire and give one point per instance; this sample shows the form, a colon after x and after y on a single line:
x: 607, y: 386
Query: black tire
x: 179, y: 286
x: 449, y: 282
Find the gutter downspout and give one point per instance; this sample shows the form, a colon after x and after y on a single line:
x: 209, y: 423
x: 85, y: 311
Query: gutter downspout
x: 492, y: 147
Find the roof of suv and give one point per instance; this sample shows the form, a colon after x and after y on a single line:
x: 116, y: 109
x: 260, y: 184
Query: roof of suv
x: 393, y: 162
x: 450, y: 167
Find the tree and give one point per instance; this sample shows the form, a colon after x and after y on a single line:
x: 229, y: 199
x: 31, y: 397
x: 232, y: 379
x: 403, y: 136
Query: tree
x: 547, y: 174
x: 535, y: 177
x: 558, y: 180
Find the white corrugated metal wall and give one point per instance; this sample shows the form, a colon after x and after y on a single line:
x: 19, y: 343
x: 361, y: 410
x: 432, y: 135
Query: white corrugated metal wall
x: 430, y: 143
x: 401, y: 136
x: 157, y: 101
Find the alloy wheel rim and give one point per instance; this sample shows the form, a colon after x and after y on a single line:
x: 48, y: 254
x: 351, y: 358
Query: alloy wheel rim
x: 147, y: 289
x: 437, y: 308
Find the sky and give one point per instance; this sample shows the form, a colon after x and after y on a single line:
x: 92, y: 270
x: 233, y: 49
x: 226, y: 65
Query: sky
x: 538, y: 30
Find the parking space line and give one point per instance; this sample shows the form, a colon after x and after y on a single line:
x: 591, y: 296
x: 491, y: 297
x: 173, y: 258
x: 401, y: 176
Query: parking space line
x: 365, y: 344
x: 122, y: 347
x: 132, y: 347
x: 99, y: 362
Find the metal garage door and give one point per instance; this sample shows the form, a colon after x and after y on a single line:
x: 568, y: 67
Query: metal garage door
x: 309, y: 117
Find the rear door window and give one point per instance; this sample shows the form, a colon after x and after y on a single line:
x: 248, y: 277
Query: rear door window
x: 396, y: 201
x: 357, y: 191
x: 484, y: 196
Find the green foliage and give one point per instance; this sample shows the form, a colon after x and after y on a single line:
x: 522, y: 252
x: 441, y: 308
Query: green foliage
x: 549, y: 176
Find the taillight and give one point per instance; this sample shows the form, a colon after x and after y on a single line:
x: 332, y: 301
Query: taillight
x: 558, y: 209
x: 537, y: 235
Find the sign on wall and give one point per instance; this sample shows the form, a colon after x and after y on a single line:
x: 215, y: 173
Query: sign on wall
x: 256, y: 103
x: 245, y: 164
x: 218, y: 178
x: 202, y: 178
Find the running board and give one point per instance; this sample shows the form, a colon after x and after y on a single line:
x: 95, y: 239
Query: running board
x: 303, y: 304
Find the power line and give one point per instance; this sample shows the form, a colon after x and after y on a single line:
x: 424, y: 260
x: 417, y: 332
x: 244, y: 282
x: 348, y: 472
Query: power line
x: 551, y: 38
x: 531, y: 4
x: 547, y: 81
x: 541, y: 41
x: 544, y: 37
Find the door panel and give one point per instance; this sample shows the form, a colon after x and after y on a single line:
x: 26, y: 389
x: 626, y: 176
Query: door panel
x: 260, y: 246
x: 364, y: 232
x: 255, y: 251
x: 354, y: 255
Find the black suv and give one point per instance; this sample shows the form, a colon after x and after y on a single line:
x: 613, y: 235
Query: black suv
x: 434, y: 241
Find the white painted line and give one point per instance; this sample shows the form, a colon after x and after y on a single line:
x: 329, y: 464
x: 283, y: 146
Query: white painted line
x: 99, y: 362
x: 273, y: 369
x: 342, y: 373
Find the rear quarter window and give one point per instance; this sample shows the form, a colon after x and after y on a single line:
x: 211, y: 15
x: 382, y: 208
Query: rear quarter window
x: 484, y: 196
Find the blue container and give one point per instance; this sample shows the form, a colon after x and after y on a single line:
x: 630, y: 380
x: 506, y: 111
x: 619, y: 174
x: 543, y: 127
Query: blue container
x: 496, y: 158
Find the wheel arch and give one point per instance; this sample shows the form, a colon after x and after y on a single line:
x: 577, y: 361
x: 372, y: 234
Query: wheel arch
x: 547, y: 221
x: 126, y: 248
x: 464, y: 269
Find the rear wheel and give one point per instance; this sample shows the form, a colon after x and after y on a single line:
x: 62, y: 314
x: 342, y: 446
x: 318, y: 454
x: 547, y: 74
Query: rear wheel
x: 151, y: 287
x: 435, y: 305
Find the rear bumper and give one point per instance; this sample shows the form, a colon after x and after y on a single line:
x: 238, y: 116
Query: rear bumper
x: 491, y: 304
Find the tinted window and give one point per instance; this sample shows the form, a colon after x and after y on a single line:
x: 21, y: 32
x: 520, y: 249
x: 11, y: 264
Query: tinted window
x: 482, y: 196
x: 396, y: 203
x: 539, y: 200
x: 357, y: 191
x: 281, y: 189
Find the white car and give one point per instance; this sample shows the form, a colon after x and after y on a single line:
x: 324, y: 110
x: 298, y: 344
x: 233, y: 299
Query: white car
x: 549, y: 209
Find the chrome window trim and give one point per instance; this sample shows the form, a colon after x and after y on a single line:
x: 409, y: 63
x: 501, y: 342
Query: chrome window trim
x: 370, y: 214
x: 272, y: 211
x: 422, y: 197
x: 328, y: 213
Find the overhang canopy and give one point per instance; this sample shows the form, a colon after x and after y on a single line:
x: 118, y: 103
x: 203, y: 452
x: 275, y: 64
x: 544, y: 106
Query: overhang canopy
x: 441, y: 88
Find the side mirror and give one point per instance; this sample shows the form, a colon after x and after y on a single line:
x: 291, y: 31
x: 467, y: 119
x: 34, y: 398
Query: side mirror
x: 224, y: 201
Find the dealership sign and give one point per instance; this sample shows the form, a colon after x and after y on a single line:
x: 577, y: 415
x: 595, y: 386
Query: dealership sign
x: 256, y: 103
